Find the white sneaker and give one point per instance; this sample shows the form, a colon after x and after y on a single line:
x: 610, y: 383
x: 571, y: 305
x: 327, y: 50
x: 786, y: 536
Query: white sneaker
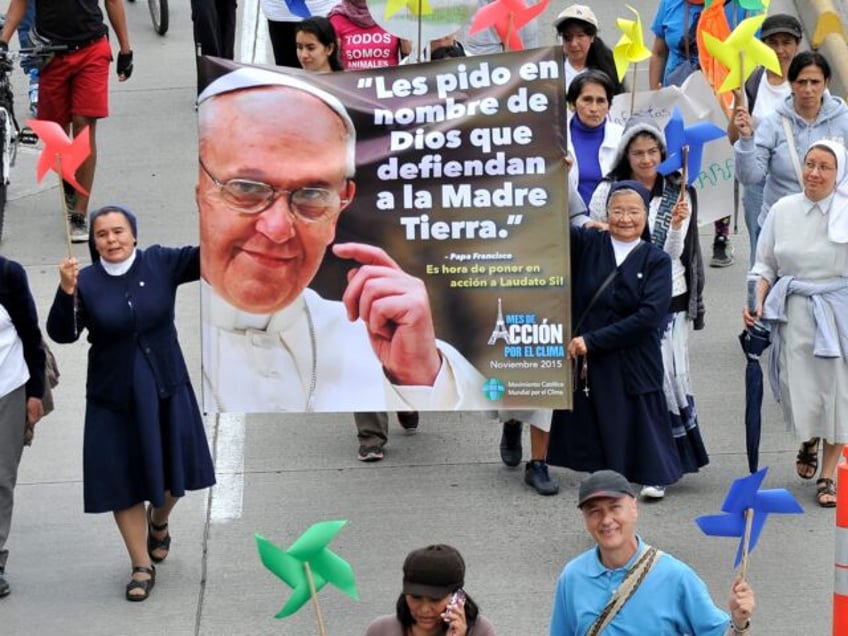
x: 652, y: 492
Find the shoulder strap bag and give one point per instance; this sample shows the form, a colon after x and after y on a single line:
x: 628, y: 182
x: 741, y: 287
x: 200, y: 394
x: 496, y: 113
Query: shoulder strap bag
x: 793, y: 151
x: 634, y: 577
x: 576, y: 330
x: 51, y: 369
x: 688, y: 66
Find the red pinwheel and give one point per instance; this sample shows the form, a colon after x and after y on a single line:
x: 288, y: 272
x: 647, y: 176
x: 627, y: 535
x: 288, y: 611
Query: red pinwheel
x: 60, y: 154
x: 507, y: 17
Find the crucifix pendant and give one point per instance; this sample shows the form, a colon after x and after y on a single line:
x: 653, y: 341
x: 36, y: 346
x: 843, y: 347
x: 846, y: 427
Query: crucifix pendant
x: 584, y: 375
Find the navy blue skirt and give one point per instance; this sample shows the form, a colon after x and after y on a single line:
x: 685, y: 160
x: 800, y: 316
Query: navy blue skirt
x: 610, y: 429
x: 155, y: 445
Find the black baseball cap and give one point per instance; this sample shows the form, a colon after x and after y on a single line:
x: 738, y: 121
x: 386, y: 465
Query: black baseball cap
x: 781, y: 23
x: 434, y: 571
x: 604, y: 483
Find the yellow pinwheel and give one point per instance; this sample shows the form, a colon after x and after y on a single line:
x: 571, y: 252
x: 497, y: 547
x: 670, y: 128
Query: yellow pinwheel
x: 741, y: 53
x: 631, y: 47
x: 416, y: 7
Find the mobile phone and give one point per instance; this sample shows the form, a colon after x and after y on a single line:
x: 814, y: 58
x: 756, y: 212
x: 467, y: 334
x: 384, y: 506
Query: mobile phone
x: 457, y: 599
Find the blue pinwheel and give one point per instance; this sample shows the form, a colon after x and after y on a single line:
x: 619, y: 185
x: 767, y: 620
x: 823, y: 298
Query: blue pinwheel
x: 745, y: 495
x: 308, y: 557
x: 678, y: 137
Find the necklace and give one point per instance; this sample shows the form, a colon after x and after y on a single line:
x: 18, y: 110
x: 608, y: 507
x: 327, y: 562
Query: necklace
x: 313, y: 379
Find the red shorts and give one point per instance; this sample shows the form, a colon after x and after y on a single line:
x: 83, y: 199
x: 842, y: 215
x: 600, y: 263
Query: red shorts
x: 76, y: 83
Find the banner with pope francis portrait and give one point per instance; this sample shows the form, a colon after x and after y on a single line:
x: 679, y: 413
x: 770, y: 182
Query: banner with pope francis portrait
x: 387, y: 239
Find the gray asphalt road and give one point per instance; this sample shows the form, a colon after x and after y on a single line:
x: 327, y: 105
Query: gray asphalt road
x: 279, y: 474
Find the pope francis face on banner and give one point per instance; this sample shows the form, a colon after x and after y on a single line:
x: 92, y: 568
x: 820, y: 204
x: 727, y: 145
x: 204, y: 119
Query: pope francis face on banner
x: 271, y: 186
x: 276, y: 162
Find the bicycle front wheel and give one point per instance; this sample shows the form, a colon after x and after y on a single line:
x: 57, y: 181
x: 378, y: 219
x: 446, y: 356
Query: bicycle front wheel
x: 159, y: 15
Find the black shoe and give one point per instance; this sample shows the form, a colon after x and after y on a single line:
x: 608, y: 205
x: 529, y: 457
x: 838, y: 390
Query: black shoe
x: 536, y: 475
x: 145, y: 585
x: 408, y: 420
x: 511, y: 443
x: 722, y: 252
x: 79, y: 228
x: 5, y: 588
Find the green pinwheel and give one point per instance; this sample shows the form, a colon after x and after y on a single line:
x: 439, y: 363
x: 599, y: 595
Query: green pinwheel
x: 741, y: 52
x: 308, y: 557
x: 631, y: 48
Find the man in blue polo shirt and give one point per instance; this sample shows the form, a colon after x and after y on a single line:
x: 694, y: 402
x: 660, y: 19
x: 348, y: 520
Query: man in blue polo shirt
x: 624, y: 587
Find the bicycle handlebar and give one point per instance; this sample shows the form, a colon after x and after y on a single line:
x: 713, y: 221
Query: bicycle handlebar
x: 33, y: 51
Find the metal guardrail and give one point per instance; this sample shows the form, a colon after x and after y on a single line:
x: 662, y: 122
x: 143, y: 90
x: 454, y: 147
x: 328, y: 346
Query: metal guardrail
x: 824, y: 22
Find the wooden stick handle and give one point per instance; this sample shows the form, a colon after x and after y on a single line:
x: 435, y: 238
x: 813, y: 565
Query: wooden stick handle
x: 321, y: 629
x: 419, y: 44
x: 64, y: 205
x: 510, y: 26
x: 633, y: 91
x: 685, y: 172
x: 746, y: 542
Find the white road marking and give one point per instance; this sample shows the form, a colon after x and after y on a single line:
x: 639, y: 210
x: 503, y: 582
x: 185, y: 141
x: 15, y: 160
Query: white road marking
x: 228, y: 493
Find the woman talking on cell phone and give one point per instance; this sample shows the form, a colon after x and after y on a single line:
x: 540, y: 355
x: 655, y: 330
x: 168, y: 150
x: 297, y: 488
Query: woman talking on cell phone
x: 432, y: 602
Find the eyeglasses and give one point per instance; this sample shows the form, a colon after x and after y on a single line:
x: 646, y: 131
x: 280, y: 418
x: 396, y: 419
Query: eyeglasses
x: 309, y: 205
x: 620, y: 213
x: 823, y: 167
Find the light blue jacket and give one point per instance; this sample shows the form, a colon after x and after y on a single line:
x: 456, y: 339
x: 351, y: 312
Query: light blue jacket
x: 766, y: 155
x: 829, y: 305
